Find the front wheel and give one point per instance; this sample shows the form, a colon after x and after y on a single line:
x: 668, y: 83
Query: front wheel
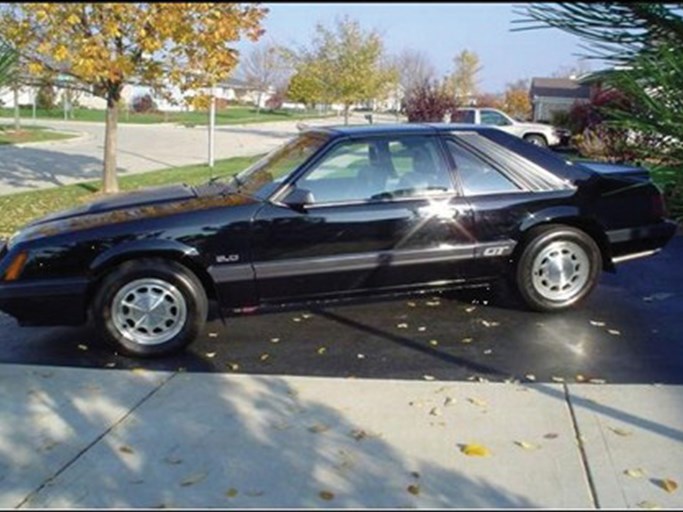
x: 150, y: 307
x: 558, y: 268
x: 536, y: 140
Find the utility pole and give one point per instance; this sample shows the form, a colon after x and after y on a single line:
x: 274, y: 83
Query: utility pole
x: 212, y: 127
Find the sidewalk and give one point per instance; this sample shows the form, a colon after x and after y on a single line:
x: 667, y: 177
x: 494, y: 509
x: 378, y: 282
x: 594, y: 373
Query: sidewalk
x: 80, y: 438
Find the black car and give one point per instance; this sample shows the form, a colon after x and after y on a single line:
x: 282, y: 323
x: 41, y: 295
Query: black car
x: 335, y: 212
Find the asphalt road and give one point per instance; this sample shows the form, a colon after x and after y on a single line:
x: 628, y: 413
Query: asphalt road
x: 629, y: 331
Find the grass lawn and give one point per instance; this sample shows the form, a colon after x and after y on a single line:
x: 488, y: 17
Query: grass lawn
x: 20, y: 208
x: 231, y: 115
x: 30, y: 134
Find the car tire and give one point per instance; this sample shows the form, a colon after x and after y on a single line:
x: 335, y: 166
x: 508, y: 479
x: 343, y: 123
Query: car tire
x: 536, y: 140
x: 558, y: 268
x: 150, y: 307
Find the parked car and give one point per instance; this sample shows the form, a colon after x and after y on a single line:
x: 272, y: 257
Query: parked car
x: 535, y: 133
x: 335, y: 212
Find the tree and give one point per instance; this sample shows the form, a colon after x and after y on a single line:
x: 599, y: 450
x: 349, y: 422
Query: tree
x: 9, y: 65
x: 488, y: 100
x: 344, y: 64
x: 429, y: 102
x: 263, y: 68
x: 103, y: 46
x: 517, y: 102
x: 414, y: 69
x: 644, y: 43
x: 463, y: 80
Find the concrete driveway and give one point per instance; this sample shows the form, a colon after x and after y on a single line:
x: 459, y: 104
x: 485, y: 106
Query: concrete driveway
x: 140, y: 148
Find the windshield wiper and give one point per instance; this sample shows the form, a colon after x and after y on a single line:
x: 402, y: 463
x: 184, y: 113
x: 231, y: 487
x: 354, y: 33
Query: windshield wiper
x: 233, y: 178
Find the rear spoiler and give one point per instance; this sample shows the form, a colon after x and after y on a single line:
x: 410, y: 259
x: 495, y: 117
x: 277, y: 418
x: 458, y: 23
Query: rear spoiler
x: 616, y: 170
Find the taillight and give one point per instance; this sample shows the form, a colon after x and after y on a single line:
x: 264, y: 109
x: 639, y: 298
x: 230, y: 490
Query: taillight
x: 658, y: 205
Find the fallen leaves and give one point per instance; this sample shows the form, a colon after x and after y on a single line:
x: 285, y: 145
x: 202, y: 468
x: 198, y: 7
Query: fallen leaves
x: 326, y: 495
x: 413, y: 489
x: 126, y: 449
x: 634, y: 473
x: 231, y: 493
x: 318, y: 428
x: 210, y: 355
x: 321, y: 350
x: 475, y: 450
x: 428, y: 377
x: 614, y: 332
x: 527, y: 445
x: 667, y: 484
x: 193, y: 479
x: 648, y: 505
x: 402, y: 326
x: 478, y: 402
x: 233, y: 366
x: 82, y: 347
x: 621, y: 431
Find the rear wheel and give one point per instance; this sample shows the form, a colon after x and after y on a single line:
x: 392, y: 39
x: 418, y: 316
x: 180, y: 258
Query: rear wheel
x: 150, y: 307
x: 557, y: 268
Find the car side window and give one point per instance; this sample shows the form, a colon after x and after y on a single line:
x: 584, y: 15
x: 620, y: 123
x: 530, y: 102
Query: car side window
x: 476, y: 176
x: 491, y: 117
x: 463, y: 116
x: 379, y: 169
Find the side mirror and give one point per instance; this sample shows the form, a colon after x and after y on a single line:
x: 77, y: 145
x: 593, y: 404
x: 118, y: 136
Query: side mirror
x: 299, y: 198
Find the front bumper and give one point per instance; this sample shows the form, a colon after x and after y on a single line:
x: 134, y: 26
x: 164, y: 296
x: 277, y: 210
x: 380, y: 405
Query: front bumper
x: 45, y: 302
x: 640, y: 241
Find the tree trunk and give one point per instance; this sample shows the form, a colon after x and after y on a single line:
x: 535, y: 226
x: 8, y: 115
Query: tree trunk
x: 17, y: 117
x: 110, y: 184
x: 258, y: 102
x: 346, y: 113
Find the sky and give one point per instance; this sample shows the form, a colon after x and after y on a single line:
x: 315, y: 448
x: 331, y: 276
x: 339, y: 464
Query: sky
x: 441, y: 30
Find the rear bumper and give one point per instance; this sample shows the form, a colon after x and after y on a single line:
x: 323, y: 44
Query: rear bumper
x: 641, y: 241
x: 53, y: 302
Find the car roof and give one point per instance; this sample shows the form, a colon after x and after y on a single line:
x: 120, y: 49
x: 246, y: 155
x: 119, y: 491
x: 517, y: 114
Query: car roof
x: 396, y: 129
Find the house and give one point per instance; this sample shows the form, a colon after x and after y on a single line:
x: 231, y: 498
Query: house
x: 231, y: 90
x: 550, y: 95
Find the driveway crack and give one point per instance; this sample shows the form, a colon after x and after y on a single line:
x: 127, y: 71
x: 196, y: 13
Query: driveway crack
x: 582, y: 450
x: 70, y: 463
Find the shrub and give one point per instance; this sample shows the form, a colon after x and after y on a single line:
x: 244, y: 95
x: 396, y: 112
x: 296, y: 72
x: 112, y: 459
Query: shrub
x: 144, y: 104
x: 276, y: 100
x: 46, y: 96
x: 429, y: 102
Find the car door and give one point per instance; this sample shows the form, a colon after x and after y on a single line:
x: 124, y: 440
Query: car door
x: 501, y: 196
x: 383, y: 214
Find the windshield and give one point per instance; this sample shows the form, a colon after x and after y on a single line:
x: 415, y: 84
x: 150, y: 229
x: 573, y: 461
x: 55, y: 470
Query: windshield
x: 264, y: 176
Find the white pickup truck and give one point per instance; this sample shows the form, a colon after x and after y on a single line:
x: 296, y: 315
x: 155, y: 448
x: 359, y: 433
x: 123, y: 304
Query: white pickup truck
x: 536, y: 133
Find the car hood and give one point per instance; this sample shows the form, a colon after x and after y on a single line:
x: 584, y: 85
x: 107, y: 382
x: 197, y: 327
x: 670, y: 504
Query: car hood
x: 144, y: 204
x: 146, y: 197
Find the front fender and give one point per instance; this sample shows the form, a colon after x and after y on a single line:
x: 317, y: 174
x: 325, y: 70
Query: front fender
x: 124, y: 251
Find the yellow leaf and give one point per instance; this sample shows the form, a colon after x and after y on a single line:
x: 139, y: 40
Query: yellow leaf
x: 475, y: 450
x: 125, y: 449
x: 326, y: 495
x: 526, y: 445
x: 231, y: 493
x: 322, y: 350
x: 620, y: 431
x: 477, y: 401
x: 433, y: 343
x: 667, y: 484
x: 648, y: 504
x: 634, y: 473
